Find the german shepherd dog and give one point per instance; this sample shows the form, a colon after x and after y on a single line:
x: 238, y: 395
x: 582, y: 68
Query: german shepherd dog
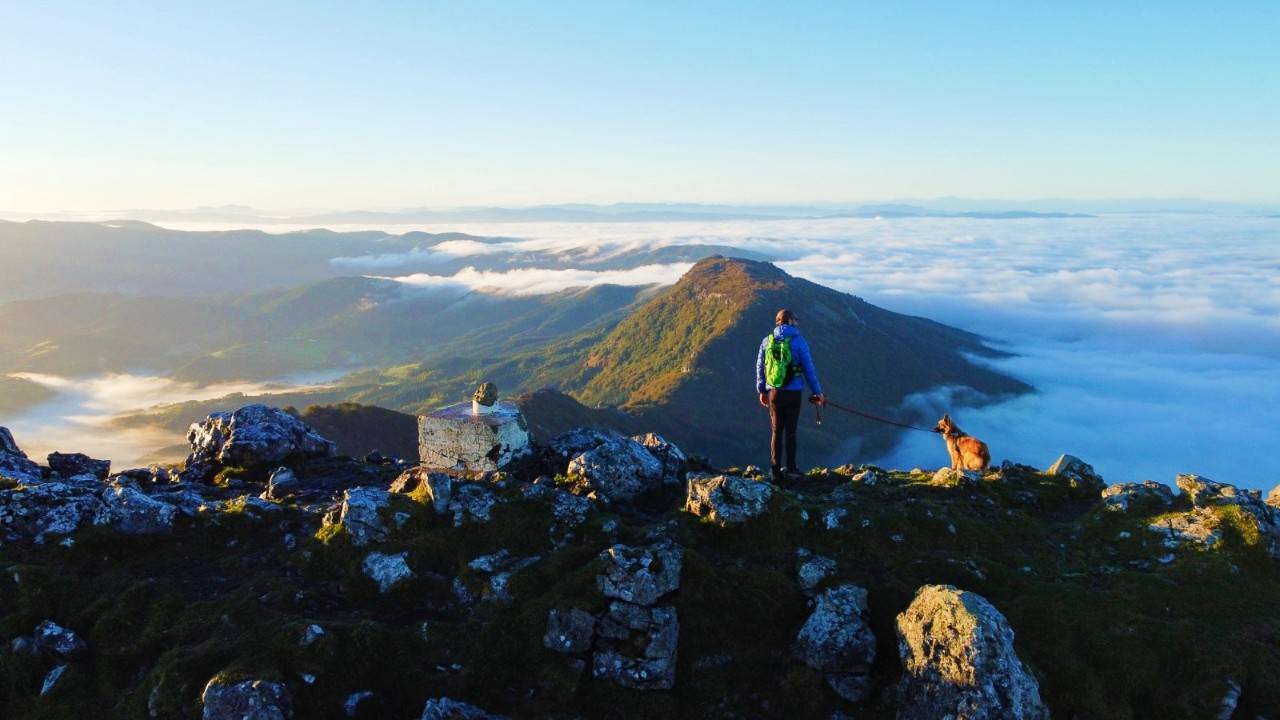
x: 967, y: 453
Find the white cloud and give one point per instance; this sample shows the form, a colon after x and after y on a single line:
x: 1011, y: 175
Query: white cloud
x: 540, y: 281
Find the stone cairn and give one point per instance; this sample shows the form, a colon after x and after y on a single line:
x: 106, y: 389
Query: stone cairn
x: 485, y: 434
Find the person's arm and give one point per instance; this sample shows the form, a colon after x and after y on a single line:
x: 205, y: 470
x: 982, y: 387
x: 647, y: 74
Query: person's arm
x: 800, y: 349
x: 759, y: 369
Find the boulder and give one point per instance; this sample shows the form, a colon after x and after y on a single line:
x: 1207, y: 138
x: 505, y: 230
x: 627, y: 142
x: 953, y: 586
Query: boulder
x: 444, y: 708
x: 499, y: 568
x: 1148, y: 494
x: 837, y: 641
x: 1203, y: 492
x: 1078, y: 473
x: 255, y: 436
x: 456, y: 438
x: 950, y: 477
x: 37, y: 511
x: 812, y: 570
x: 386, y: 569
x: 129, y: 511
x: 365, y: 515
x: 569, y: 631
x: 618, y: 470
x: 53, y: 639
x: 69, y: 464
x: 572, y: 443
x: 283, y: 483
x: 1273, y: 497
x: 246, y: 700
x: 628, y: 629
x: 958, y: 661
x: 672, y: 457
x: 14, y: 465
x: 726, y: 499
x: 640, y: 575
x: 1263, y: 519
x: 469, y: 503
x: 1198, y: 527
x: 436, y: 486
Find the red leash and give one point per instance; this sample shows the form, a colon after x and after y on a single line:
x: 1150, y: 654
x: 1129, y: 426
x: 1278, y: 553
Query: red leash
x: 859, y: 413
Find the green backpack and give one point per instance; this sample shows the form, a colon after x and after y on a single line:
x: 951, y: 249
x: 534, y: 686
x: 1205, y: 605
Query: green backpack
x: 778, y: 367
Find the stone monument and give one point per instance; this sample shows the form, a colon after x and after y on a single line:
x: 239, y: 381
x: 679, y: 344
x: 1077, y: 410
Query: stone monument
x: 477, y: 436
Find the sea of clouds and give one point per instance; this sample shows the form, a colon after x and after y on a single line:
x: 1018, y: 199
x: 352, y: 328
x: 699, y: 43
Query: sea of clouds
x: 1153, y: 340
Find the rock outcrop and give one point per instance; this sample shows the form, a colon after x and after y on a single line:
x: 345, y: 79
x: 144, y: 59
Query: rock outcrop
x: 255, y: 436
x: 672, y: 457
x: 569, y: 631
x: 246, y: 700
x: 53, y: 639
x: 837, y: 641
x: 131, y: 512
x: 727, y: 499
x: 1147, y: 494
x: 618, y: 470
x: 958, y: 661
x: 15, y: 467
x: 365, y: 515
x: 1078, y: 473
x: 640, y: 575
x: 71, y: 464
x: 388, y: 570
x: 1255, y: 517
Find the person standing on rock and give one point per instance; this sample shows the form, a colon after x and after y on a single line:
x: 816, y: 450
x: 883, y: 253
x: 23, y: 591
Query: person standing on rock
x: 783, y: 366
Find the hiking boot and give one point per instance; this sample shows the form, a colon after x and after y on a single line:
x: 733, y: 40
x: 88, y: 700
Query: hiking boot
x: 777, y: 476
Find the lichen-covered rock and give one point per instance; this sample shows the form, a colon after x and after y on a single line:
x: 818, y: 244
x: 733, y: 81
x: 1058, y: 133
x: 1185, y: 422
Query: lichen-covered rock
x: 455, y: 438
x: 640, y: 575
x: 958, y: 661
x: 726, y: 499
x: 618, y: 469
x: 1262, y: 520
x: 246, y: 700
x: 1078, y: 473
x: 444, y: 708
x: 69, y: 464
x: 255, y: 436
x: 950, y: 477
x: 129, y: 511
x: 837, y: 641
x: 469, y: 503
x: 53, y: 639
x: 654, y: 632
x: 1147, y: 494
x: 364, y: 515
x: 672, y: 457
x: 52, y: 678
x: 388, y: 570
x: 283, y: 483
x: 812, y: 570
x: 569, y: 631
x: 572, y: 443
x: 1198, y: 527
x: 36, y: 512
x: 1203, y: 492
x: 14, y: 464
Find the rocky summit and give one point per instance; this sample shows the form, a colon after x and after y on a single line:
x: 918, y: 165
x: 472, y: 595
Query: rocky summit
x: 610, y: 575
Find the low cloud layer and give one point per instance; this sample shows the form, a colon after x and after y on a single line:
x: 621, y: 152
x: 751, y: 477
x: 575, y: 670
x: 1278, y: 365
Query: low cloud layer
x: 541, y: 281
x: 78, y: 418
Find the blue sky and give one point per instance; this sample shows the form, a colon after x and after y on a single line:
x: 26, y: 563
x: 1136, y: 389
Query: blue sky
x: 344, y: 105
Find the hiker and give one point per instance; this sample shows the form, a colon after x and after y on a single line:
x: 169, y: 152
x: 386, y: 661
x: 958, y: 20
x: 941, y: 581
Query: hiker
x: 782, y: 361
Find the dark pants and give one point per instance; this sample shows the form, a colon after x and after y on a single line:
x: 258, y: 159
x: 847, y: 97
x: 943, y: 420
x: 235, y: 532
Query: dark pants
x: 784, y: 416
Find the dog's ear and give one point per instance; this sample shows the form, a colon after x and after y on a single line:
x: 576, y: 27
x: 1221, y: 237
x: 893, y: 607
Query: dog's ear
x: 946, y: 417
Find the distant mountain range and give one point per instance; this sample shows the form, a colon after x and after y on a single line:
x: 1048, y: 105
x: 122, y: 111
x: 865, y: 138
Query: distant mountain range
x: 618, y: 212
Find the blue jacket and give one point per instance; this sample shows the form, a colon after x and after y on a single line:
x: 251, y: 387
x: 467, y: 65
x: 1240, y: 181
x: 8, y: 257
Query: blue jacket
x: 799, y: 355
